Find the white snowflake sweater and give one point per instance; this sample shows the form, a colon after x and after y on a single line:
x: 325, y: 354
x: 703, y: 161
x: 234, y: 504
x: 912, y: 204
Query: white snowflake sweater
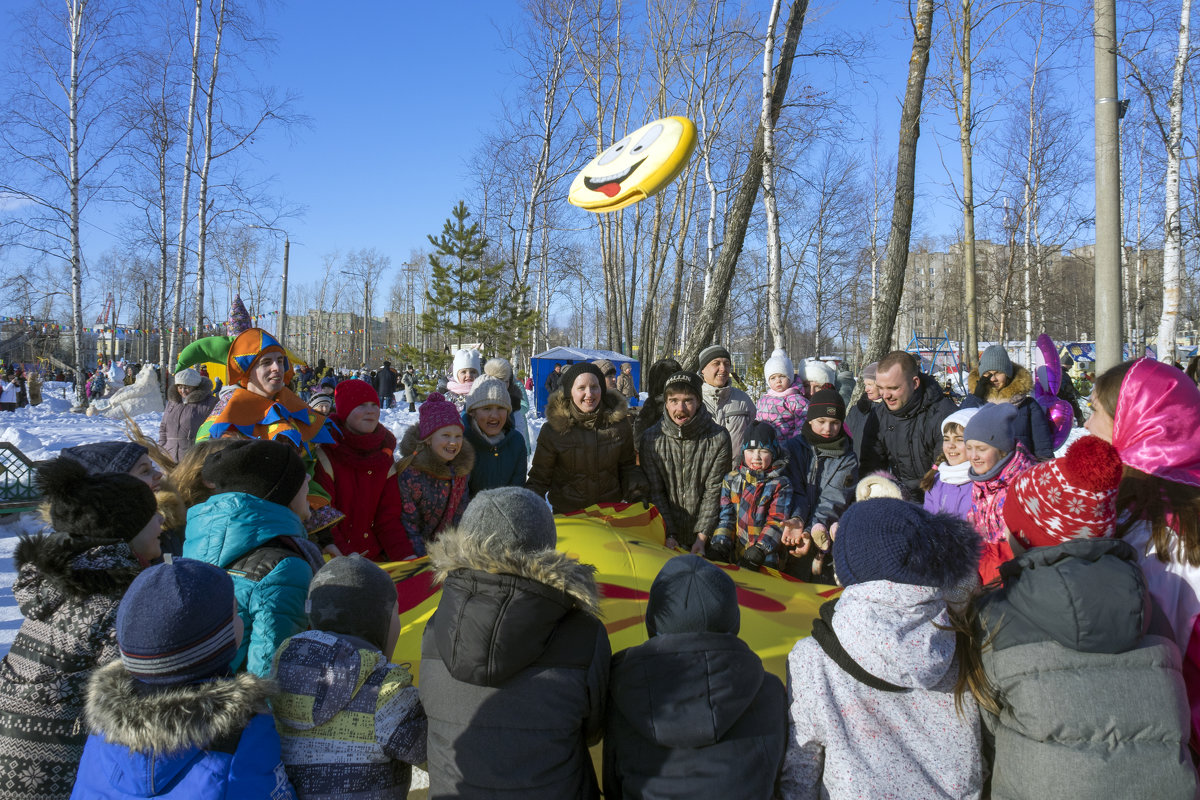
x: 850, y: 740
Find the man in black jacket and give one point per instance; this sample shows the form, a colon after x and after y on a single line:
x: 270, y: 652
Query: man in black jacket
x: 385, y: 380
x: 909, y: 435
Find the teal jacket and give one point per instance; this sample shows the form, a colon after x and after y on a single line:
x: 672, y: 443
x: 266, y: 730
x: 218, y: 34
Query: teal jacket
x: 227, y: 527
x: 496, y: 465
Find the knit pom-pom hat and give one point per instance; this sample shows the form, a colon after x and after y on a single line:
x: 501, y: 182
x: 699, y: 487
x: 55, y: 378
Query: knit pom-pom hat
x: 488, y: 390
x: 1073, y: 497
x: 498, y: 368
x: 99, y: 457
x: 94, y: 509
x: 436, y: 413
x: 893, y: 540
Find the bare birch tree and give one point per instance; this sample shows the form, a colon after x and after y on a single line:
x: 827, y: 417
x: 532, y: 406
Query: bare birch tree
x: 767, y: 121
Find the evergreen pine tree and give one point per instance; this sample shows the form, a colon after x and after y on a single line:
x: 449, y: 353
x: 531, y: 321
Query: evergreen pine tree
x: 459, y: 292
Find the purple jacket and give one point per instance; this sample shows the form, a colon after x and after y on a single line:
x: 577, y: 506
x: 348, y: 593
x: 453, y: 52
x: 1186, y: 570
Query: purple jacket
x: 948, y: 498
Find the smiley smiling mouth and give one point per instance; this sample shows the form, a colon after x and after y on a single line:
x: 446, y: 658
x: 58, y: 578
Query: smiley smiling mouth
x: 609, y: 185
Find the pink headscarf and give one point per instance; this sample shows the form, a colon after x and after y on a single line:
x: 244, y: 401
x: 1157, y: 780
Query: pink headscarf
x: 1156, y: 427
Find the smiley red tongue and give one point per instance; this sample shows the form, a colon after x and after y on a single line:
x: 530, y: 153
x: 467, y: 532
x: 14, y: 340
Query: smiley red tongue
x: 609, y: 189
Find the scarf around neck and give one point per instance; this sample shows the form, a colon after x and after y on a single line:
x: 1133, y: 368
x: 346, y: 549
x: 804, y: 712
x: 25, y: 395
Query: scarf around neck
x: 955, y: 475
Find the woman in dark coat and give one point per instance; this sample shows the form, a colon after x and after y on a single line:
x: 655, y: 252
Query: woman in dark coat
x: 183, y: 417
x: 584, y: 452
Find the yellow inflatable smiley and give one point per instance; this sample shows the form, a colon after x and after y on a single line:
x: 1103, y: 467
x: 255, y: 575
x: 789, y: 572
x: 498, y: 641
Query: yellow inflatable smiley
x: 635, y: 167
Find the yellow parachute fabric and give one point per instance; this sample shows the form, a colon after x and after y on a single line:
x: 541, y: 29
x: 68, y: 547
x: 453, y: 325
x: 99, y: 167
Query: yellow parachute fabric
x: 625, y: 543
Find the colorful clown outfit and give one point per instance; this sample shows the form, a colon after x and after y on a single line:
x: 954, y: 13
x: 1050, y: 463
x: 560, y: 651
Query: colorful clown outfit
x: 284, y: 416
x: 1156, y: 430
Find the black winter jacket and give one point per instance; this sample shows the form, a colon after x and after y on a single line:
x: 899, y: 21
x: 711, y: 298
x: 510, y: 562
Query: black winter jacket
x: 862, y: 424
x: 823, y: 480
x: 386, y: 377
x: 693, y: 715
x: 909, y: 439
x: 684, y: 465
x: 514, y: 669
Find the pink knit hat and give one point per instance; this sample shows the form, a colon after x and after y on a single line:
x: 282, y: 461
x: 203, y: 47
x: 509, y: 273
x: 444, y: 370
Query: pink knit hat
x: 436, y: 413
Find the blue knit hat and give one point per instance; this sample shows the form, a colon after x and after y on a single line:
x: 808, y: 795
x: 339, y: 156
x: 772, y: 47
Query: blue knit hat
x: 884, y: 539
x: 993, y: 424
x: 175, y: 623
x: 692, y: 595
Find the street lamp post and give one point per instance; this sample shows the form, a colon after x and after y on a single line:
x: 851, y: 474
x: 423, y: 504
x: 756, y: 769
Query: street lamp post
x: 281, y: 328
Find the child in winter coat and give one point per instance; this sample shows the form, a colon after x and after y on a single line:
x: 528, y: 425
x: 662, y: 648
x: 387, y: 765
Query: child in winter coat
x: 489, y: 426
x: 359, y: 473
x: 168, y: 719
x: 783, y: 405
x: 514, y: 662
x: 692, y: 712
x: 253, y: 527
x: 351, y: 721
x: 1078, y: 678
x: 947, y: 486
x: 996, y: 458
x: 465, y: 369
x: 434, y: 484
x: 755, y: 499
x: 69, y: 582
x: 871, y: 692
x: 823, y: 471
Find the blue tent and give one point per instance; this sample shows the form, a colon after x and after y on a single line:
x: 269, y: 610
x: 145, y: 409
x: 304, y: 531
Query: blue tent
x: 543, y: 365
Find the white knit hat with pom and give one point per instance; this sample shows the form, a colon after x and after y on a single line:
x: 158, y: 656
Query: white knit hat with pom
x: 819, y: 372
x: 779, y: 364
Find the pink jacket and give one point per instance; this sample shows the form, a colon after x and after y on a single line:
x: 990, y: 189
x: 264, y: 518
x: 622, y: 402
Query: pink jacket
x: 987, y: 497
x: 784, y: 410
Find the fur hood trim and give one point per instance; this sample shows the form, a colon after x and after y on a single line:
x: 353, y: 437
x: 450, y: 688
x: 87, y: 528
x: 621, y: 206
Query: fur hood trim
x: 172, y: 719
x: 614, y: 407
x: 200, y: 394
x: 427, y: 462
x: 455, y: 549
x: 56, y: 559
x: 1017, y: 389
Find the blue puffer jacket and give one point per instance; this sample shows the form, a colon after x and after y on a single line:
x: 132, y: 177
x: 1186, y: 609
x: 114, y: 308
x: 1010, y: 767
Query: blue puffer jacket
x: 229, y: 526
x: 202, y: 741
x: 823, y: 480
x: 496, y: 465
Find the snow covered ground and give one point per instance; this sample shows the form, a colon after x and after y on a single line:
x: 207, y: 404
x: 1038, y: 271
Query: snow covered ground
x: 42, y: 431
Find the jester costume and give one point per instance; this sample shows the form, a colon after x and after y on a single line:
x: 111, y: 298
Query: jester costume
x: 284, y: 416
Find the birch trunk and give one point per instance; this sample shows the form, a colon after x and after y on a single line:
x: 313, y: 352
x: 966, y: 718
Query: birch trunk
x: 181, y: 244
x: 713, y: 311
x: 767, y: 121
x: 1173, y: 234
x: 76, y: 22
x: 202, y: 197
x: 887, y: 301
x: 965, y: 133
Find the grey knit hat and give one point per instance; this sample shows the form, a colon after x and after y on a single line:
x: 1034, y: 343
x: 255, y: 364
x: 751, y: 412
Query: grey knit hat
x: 995, y: 359
x: 711, y: 353
x: 498, y: 368
x: 513, y: 514
x: 351, y: 595
x: 692, y: 595
x: 104, y: 457
x: 993, y: 424
x: 488, y: 391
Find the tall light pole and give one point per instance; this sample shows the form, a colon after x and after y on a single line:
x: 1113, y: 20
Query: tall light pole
x: 1108, y: 189
x: 281, y: 329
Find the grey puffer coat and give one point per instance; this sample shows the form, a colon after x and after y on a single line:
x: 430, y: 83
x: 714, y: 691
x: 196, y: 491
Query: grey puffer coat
x: 1091, y: 704
x: 684, y: 465
x: 733, y: 410
x: 584, y: 459
x: 908, y: 440
x: 181, y: 420
x: 514, y: 672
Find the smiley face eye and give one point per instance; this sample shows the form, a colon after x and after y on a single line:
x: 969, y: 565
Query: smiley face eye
x: 613, y: 152
x: 648, y: 138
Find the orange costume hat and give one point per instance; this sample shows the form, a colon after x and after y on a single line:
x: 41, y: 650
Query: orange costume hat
x: 284, y: 416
